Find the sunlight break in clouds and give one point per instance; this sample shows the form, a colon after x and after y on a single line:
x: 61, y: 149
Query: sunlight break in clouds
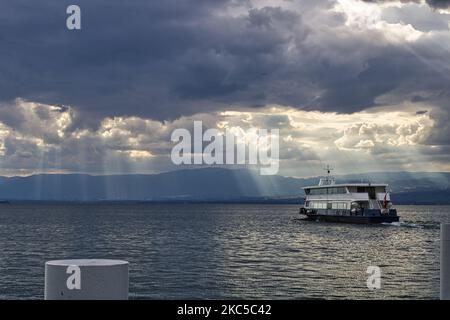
x: 44, y: 139
x: 368, y: 16
x: 362, y: 83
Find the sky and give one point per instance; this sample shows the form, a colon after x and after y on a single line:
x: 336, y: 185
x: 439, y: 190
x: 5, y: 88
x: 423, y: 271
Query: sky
x: 361, y: 85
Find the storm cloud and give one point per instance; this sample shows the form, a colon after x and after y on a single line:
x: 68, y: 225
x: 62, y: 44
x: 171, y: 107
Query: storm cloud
x: 159, y: 59
x: 172, y: 58
x: 155, y: 64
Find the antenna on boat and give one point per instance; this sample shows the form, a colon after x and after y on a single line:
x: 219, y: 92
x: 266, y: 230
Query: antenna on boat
x: 329, y: 179
x: 328, y: 168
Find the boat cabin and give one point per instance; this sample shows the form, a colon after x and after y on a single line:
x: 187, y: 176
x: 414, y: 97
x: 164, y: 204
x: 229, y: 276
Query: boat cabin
x: 347, y: 196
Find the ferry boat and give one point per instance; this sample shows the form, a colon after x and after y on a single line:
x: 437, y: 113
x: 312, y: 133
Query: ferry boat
x: 364, y: 203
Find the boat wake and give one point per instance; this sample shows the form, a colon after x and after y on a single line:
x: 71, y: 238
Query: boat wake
x: 417, y: 224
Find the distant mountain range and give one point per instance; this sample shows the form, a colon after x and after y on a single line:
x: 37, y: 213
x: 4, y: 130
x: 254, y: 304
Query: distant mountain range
x: 211, y: 184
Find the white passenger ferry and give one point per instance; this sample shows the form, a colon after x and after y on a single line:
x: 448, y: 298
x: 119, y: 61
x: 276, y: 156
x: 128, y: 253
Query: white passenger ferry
x: 349, y: 202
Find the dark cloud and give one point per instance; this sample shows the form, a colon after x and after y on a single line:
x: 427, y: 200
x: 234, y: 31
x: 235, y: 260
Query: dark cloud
x: 164, y: 59
x: 439, y: 3
x: 159, y: 59
x: 125, y: 58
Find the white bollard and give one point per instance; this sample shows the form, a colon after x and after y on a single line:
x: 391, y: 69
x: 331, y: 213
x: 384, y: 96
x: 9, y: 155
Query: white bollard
x: 445, y: 262
x: 86, y: 279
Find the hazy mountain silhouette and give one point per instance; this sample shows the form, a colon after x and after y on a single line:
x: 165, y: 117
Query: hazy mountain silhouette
x: 208, y: 184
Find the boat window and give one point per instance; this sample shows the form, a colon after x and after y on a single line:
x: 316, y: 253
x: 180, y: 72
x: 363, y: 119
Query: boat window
x: 337, y: 190
x: 339, y: 205
x: 341, y: 190
x: 318, y: 205
x: 329, y: 205
x: 319, y: 191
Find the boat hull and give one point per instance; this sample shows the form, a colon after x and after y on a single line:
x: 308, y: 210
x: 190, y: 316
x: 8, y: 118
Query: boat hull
x: 353, y: 219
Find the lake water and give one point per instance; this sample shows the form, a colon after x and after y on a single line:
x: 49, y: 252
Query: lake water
x: 223, y: 251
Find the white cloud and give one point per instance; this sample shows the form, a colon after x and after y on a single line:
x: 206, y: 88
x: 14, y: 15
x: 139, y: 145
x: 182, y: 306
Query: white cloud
x: 44, y: 141
x: 366, y: 16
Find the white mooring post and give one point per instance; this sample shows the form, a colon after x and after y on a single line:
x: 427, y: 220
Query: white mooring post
x: 445, y: 262
x: 86, y: 279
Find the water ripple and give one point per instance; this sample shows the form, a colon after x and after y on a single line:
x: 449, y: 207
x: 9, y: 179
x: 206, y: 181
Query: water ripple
x: 224, y: 251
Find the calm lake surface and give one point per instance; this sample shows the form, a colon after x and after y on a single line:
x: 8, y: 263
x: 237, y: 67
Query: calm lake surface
x: 224, y: 251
